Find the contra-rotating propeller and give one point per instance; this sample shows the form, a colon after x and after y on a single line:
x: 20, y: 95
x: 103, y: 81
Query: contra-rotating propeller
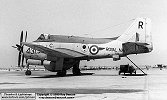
x: 20, y: 49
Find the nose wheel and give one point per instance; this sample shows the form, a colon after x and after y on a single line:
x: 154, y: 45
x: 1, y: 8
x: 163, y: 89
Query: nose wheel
x: 28, y: 72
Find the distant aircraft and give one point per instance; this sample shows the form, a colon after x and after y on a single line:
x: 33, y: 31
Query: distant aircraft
x: 58, y: 53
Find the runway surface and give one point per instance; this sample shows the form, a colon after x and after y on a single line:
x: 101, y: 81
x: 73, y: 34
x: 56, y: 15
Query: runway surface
x: 91, y: 85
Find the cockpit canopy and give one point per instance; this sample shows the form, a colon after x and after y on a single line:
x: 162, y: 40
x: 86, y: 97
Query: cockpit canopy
x: 72, y: 39
x: 44, y: 37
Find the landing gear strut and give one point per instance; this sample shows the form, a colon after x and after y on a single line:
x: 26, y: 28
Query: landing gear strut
x: 76, y: 71
x: 136, y: 65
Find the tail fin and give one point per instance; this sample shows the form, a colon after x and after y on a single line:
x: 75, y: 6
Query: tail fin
x: 139, y: 31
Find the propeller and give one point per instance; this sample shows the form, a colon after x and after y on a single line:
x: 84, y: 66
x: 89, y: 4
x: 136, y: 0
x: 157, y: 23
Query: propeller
x: 20, y: 49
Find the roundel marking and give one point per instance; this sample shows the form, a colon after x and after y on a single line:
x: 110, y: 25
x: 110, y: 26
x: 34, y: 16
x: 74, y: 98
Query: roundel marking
x: 94, y: 49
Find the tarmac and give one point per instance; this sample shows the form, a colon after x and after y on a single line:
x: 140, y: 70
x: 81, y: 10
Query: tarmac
x: 91, y: 85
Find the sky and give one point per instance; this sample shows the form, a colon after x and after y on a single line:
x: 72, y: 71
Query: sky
x: 90, y: 18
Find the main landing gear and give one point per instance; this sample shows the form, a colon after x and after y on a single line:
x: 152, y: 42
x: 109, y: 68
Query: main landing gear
x: 76, y: 71
x: 62, y: 73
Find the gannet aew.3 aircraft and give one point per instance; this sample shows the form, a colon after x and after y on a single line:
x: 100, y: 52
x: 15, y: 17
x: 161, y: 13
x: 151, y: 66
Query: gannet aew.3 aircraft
x: 58, y: 53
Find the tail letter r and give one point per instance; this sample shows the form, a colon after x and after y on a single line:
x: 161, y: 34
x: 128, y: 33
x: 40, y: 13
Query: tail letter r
x: 140, y: 25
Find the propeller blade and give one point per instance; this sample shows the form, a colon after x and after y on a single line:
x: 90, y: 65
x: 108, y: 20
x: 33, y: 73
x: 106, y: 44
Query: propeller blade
x: 14, y: 46
x: 22, y: 60
x: 26, y: 37
x: 21, y: 38
x: 19, y: 58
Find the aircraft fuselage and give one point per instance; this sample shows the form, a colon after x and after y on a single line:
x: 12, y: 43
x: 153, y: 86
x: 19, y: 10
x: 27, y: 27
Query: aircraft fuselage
x: 90, y: 51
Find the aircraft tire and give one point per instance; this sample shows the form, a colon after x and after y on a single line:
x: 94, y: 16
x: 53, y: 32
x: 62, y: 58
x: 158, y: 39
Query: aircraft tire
x: 76, y: 71
x: 61, y: 73
x: 28, y: 72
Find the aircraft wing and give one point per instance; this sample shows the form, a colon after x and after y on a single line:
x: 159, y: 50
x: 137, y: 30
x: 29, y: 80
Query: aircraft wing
x: 58, y: 52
